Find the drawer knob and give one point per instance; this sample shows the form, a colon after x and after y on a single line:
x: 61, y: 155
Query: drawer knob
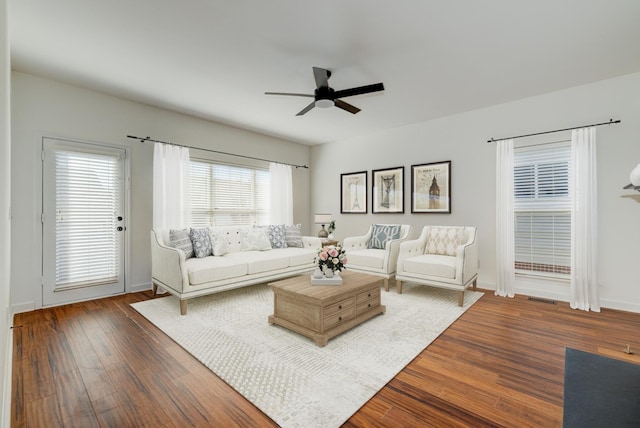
x: 369, y: 304
x: 369, y: 295
x: 339, y: 318
x: 340, y: 307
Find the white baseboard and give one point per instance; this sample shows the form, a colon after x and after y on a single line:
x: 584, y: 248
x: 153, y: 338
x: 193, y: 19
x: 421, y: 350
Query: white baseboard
x: 19, y: 308
x: 619, y: 305
x: 140, y: 287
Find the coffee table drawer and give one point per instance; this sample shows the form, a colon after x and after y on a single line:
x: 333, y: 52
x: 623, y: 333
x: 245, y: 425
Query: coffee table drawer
x: 340, y: 317
x: 366, y: 305
x: 367, y: 295
x: 341, y: 305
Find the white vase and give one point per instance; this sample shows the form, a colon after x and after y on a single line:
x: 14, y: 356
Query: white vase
x: 328, y: 273
x: 635, y: 176
x: 331, y: 237
x: 317, y: 274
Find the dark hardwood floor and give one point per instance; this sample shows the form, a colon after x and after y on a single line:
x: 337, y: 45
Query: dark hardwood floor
x: 101, y: 364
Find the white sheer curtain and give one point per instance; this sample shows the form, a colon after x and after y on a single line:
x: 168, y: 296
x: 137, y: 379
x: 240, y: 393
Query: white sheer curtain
x: 171, y: 203
x: 281, y: 194
x: 584, y: 221
x: 506, y: 276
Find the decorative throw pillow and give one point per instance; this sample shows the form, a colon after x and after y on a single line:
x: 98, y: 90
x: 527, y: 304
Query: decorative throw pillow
x: 293, y: 235
x: 444, y: 240
x: 381, y: 233
x: 219, y: 244
x: 201, y: 242
x: 255, y: 239
x: 179, y: 239
x: 276, y: 235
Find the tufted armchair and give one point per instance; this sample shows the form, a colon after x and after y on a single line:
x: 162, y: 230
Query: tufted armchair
x: 443, y: 256
x: 376, y: 252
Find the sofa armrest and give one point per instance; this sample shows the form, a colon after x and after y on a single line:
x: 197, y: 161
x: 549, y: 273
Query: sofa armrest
x: 167, y: 265
x: 356, y: 242
x: 467, y: 256
x: 311, y: 242
x: 411, y: 248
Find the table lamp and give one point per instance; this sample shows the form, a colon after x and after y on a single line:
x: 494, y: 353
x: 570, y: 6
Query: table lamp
x: 323, y: 219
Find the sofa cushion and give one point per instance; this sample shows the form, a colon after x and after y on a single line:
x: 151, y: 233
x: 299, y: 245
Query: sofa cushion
x: 219, y: 244
x: 431, y: 265
x: 180, y: 239
x: 255, y: 240
x: 201, y: 242
x: 381, y: 233
x: 371, y: 258
x: 293, y: 235
x: 276, y: 234
x: 260, y: 261
x: 299, y: 256
x: 210, y: 269
x: 444, y: 240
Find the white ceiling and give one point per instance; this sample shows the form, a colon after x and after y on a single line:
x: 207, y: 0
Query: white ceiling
x: 215, y: 58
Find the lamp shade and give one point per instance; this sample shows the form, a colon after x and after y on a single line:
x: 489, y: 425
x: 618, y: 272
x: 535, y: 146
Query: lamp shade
x: 323, y: 218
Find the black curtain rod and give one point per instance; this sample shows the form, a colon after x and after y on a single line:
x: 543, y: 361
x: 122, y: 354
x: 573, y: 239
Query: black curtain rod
x: 611, y: 122
x: 144, y: 139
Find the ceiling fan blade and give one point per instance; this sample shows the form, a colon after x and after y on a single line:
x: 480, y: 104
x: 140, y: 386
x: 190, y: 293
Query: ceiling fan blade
x: 306, y: 109
x: 288, y: 93
x: 322, y: 77
x: 359, y: 90
x: 346, y: 106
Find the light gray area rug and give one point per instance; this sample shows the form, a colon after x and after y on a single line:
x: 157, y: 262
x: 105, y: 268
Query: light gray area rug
x: 286, y: 375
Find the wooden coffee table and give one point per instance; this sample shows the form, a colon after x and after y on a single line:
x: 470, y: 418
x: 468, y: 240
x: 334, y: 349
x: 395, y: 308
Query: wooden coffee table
x: 321, y: 312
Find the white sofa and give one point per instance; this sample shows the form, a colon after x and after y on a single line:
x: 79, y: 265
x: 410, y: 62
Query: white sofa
x: 443, y: 256
x: 374, y: 261
x: 193, y: 277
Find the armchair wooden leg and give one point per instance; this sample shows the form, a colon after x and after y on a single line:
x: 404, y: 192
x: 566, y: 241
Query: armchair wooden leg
x: 183, y: 307
x: 474, y: 284
x: 386, y: 284
x: 460, y: 298
x: 154, y: 288
x: 399, y: 286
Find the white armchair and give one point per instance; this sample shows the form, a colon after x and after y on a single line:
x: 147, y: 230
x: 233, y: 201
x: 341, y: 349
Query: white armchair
x: 377, y: 256
x: 443, y: 256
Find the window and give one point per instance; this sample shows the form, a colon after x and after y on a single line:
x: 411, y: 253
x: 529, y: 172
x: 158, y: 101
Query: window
x: 227, y: 195
x: 542, y: 210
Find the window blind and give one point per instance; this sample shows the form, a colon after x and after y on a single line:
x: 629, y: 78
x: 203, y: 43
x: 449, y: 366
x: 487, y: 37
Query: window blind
x: 542, y: 209
x: 227, y: 195
x: 87, y: 204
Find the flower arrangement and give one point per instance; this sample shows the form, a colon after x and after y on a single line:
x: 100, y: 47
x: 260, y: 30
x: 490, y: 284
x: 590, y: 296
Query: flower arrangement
x: 332, y: 258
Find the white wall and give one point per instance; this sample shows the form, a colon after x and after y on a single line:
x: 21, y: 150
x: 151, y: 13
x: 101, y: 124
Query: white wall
x: 462, y: 139
x: 42, y: 107
x: 5, y: 220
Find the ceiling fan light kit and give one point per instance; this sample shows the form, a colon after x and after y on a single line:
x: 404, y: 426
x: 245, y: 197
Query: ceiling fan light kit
x: 324, y: 103
x: 325, y: 96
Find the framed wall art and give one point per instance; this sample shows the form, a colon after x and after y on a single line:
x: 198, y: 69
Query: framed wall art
x: 431, y: 188
x: 387, y: 191
x: 353, y: 193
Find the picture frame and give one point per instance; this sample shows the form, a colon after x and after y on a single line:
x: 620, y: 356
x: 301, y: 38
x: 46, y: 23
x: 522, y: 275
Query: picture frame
x: 387, y: 191
x: 431, y: 188
x: 353, y: 193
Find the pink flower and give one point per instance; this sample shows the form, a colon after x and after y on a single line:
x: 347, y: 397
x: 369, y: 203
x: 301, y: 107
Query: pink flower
x: 333, y: 252
x: 344, y: 260
x: 323, y: 256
